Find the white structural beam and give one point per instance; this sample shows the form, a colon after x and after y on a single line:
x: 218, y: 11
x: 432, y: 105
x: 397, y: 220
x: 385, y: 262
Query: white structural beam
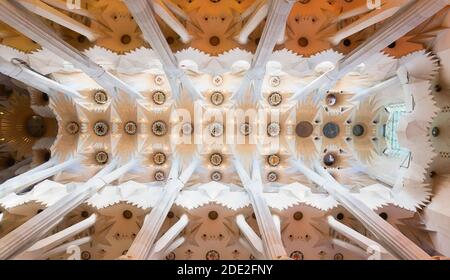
x: 144, y: 15
x: 176, y: 10
x: 278, y: 12
x: 42, y: 9
x: 256, y: 13
x: 28, y: 24
x: 47, y: 246
x: 252, y: 239
x: 365, y: 243
x: 399, y: 25
x: 388, y: 236
x: 164, y: 10
x: 144, y: 243
x: 270, y: 234
x: 349, y: 247
x: 167, y: 240
x: 66, y: 247
x: 35, y: 80
x: 402, y: 77
x: 36, y: 175
x: 372, y: 91
x: 35, y: 228
x: 63, y: 5
x: 11, y: 171
x: 172, y: 247
x: 369, y: 15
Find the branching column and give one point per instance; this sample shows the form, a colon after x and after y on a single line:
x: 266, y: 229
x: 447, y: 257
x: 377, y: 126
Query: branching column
x: 40, y: 8
x: 28, y: 24
x: 35, y: 228
x: 51, y: 245
x: 362, y: 241
x: 163, y: 9
x: 168, y: 242
x: 276, y: 20
x: 366, y: 17
x: 400, y: 24
x: 378, y: 88
x: 252, y: 242
x: 34, y: 176
x: 388, y: 236
x: 270, y: 235
x: 145, y: 17
x: 35, y: 80
x: 9, y: 172
x: 256, y: 13
x: 142, y: 246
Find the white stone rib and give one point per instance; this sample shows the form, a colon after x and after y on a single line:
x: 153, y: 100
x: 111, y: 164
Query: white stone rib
x: 34, y: 176
x: 39, y: 225
x: 46, y: 245
x: 144, y: 15
x: 36, y: 80
x: 164, y: 12
x: 28, y: 24
x: 278, y: 12
x: 389, y: 237
x: 42, y: 9
x: 144, y: 242
x: 271, y: 237
x: 400, y: 24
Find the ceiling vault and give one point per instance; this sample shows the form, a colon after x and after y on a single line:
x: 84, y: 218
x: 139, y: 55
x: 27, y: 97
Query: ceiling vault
x: 17, y: 17
x: 145, y: 18
x: 400, y: 24
x: 258, y: 129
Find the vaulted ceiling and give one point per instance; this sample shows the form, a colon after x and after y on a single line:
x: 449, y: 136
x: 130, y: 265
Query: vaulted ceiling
x: 341, y: 101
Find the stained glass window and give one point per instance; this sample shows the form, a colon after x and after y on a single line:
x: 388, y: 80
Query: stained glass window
x: 396, y: 112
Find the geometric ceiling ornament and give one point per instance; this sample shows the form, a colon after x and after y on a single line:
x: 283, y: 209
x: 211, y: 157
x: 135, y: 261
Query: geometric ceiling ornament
x: 258, y: 130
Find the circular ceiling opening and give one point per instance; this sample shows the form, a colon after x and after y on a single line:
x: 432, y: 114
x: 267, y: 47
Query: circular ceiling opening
x: 274, y: 160
x: 101, y: 128
x: 329, y: 159
x: 217, y: 98
x: 358, y: 130
x: 130, y: 128
x: 100, y: 97
x: 272, y: 177
x: 101, y: 157
x: 275, y: 99
x: 159, y: 97
x: 303, y: 42
x: 159, y: 128
x: 214, y: 41
x: 72, y: 128
x: 159, y: 158
x: 35, y: 126
x: 304, y: 129
x: 331, y: 99
x: 273, y: 129
x: 216, y: 176
x: 331, y: 130
x: 160, y: 176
